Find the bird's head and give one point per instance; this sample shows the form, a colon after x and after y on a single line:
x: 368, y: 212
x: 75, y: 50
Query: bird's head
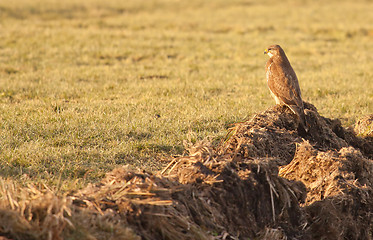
x: 273, y: 50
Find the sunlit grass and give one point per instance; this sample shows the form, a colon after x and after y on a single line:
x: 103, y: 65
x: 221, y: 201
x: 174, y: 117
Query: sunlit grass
x: 87, y: 86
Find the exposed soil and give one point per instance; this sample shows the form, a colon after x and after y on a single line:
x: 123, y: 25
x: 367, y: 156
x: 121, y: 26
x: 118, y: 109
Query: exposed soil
x: 266, y: 180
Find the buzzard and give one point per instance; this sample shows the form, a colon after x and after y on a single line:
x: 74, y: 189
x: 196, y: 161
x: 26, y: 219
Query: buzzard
x: 283, y: 82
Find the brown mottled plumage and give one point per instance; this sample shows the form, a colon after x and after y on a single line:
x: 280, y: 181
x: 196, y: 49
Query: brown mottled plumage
x: 283, y: 82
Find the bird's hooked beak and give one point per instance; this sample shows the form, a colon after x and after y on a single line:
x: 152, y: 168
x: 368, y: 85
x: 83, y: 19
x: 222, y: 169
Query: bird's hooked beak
x: 268, y: 53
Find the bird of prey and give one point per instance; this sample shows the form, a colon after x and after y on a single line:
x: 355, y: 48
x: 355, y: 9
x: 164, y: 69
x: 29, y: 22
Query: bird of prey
x: 283, y: 82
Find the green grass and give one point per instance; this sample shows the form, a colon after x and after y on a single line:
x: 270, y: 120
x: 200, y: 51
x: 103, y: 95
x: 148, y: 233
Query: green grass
x: 87, y: 86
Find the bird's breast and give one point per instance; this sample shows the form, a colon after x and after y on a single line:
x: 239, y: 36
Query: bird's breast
x: 268, y: 71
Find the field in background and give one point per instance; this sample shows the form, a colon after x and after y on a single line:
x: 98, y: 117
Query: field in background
x: 87, y: 86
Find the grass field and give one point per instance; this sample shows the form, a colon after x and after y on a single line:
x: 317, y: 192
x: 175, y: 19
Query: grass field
x: 86, y: 86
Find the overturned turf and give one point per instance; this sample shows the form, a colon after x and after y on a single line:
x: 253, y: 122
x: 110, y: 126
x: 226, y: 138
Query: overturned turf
x: 266, y: 180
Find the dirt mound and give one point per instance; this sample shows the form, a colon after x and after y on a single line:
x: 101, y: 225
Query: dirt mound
x: 274, y: 134
x: 333, y: 163
x: 266, y: 180
x: 339, y: 201
x: 198, y: 199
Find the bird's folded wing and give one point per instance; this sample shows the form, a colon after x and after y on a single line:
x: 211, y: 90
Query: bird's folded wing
x: 283, y: 90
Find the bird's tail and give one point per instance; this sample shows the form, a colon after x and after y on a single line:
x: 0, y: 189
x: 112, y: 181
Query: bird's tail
x: 303, y: 121
x: 299, y: 111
